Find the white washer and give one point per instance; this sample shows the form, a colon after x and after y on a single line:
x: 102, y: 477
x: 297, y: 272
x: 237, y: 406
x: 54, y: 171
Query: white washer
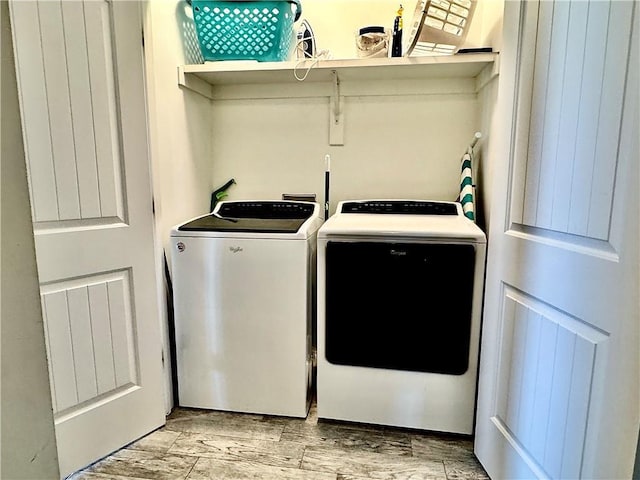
x: 244, y: 283
x: 399, y: 305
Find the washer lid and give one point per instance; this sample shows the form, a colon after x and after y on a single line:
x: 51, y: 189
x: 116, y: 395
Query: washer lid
x: 211, y: 223
x: 253, y: 216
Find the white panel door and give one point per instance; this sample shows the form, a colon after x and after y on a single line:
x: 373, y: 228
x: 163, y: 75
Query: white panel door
x: 559, y: 387
x: 81, y: 85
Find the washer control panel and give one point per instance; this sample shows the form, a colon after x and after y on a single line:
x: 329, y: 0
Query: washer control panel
x: 265, y: 210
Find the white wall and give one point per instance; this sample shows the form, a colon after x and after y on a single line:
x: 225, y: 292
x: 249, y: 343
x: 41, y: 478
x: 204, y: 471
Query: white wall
x: 180, y: 128
x: 179, y: 133
x: 401, y: 146
x: 490, y: 12
x: 27, y: 438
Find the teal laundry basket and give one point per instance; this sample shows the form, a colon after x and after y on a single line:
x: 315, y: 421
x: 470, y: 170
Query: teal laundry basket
x: 245, y: 30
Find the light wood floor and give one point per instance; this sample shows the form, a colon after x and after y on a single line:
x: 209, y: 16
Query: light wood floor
x: 205, y: 444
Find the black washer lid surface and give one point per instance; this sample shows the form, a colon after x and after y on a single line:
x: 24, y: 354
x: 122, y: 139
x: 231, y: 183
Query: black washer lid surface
x: 257, y: 217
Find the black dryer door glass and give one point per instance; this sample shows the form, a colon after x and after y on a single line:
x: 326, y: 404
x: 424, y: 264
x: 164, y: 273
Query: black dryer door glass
x: 401, y: 306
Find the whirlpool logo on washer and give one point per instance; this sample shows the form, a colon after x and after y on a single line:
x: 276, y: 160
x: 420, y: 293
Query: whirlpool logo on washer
x: 236, y: 249
x: 398, y: 253
x: 180, y: 246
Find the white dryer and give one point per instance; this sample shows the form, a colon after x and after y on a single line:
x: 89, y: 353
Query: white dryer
x: 244, y: 296
x: 399, y: 306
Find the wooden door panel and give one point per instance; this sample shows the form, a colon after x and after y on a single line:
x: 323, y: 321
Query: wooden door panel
x: 107, y: 119
x: 80, y: 103
x: 548, y: 363
x: 34, y: 112
x: 586, y: 134
x: 91, y: 338
x: 576, y: 97
x: 82, y: 342
x: 60, y: 354
x: 56, y: 85
x: 72, y: 122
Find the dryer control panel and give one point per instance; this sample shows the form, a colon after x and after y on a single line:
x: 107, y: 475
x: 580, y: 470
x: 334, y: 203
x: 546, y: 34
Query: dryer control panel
x: 400, y: 207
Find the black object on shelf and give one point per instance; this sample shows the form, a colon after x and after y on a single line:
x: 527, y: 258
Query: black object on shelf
x: 396, y: 41
x: 476, y: 50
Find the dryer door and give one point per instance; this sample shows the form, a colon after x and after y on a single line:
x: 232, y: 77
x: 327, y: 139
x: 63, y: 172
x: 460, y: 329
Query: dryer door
x: 401, y: 306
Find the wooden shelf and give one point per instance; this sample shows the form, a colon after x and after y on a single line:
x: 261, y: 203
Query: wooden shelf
x: 197, y: 77
x: 249, y: 72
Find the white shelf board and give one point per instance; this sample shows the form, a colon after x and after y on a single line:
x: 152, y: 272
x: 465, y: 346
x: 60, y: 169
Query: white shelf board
x: 248, y: 72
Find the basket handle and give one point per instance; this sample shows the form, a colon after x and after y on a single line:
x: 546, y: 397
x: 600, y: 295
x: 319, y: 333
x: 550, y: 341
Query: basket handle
x: 298, y: 9
x: 297, y: 2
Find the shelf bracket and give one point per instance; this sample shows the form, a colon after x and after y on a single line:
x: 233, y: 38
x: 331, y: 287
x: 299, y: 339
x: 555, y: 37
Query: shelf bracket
x: 487, y: 74
x: 195, y: 84
x: 336, y: 115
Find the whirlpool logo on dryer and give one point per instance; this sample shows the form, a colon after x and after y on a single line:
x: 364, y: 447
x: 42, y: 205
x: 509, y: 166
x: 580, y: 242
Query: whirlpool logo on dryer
x: 236, y: 249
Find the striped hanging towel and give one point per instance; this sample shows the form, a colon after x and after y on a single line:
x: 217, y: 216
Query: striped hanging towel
x: 466, y: 197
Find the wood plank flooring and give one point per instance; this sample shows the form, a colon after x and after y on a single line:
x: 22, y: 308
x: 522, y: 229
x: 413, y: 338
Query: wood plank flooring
x: 211, y: 445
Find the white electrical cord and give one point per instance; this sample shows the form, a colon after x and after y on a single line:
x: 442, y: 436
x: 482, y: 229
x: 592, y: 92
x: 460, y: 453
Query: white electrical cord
x: 321, y: 55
